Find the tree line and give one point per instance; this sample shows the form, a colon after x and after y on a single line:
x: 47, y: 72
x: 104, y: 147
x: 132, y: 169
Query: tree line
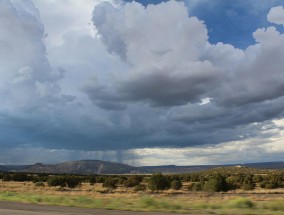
x: 210, y: 181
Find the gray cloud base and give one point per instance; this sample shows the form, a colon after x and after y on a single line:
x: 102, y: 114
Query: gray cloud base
x: 139, y: 84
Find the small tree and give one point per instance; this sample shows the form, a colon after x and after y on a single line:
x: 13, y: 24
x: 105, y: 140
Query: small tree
x: 132, y: 181
x: 176, y: 184
x: 19, y: 176
x: 158, y: 182
x: 92, y: 180
x: 73, y: 181
x: 140, y: 187
x: 110, y: 183
x: 248, y: 183
x: 196, y: 186
x: 56, y: 181
x: 216, y: 183
x: 7, y: 177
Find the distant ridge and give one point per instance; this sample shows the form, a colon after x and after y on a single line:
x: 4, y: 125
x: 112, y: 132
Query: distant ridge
x: 267, y: 165
x: 106, y: 167
x: 83, y: 167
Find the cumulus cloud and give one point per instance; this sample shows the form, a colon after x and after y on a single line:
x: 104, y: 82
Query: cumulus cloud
x: 257, y: 76
x: 24, y: 66
x: 162, y: 45
x: 172, y: 63
x: 140, y: 77
x: 61, y: 18
x: 276, y: 15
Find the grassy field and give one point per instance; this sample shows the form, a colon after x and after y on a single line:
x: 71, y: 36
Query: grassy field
x: 238, y: 202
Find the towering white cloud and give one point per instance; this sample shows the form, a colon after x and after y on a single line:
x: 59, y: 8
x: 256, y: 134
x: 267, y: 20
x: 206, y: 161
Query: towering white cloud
x: 163, y: 47
x: 26, y: 75
x: 276, y: 15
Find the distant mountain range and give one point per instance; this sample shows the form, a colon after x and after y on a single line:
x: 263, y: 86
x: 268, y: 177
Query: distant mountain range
x: 105, y: 167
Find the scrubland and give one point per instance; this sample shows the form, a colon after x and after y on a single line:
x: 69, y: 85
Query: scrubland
x: 122, y: 195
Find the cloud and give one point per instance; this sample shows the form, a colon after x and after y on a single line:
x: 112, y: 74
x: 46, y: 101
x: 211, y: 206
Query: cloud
x: 162, y: 45
x: 68, y: 15
x: 276, y: 15
x: 134, y: 80
x: 172, y: 64
x: 24, y: 66
x: 241, y: 151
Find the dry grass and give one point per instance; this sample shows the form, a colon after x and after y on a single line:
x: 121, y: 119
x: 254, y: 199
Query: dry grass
x: 95, y: 196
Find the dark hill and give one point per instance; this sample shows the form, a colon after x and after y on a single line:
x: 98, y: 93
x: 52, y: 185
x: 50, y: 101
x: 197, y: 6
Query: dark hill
x: 13, y: 168
x: 83, y: 167
x: 267, y: 165
x: 105, y: 167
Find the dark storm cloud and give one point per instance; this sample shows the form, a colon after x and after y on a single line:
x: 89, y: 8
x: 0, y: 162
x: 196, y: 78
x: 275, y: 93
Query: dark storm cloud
x: 140, y: 82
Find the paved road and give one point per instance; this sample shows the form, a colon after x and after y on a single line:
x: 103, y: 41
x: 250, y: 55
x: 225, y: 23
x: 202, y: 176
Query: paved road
x: 12, y: 208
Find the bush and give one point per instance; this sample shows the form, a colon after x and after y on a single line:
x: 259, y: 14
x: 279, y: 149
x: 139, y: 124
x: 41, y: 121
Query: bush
x: 216, y: 183
x: 257, y: 179
x: 272, y: 182
x: 92, y: 180
x: 7, y: 177
x: 248, y: 183
x: 39, y: 184
x: 110, y: 183
x: 73, y: 181
x: 56, y: 181
x: 132, y: 181
x: 101, y: 179
x: 233, y: 183
x: 197, y: 186
x: 64, y: 181
x: 158, y: 182
x: 19, y: 176
x: 140, y: 187
x: 121, y: 180
x: 176, y: 184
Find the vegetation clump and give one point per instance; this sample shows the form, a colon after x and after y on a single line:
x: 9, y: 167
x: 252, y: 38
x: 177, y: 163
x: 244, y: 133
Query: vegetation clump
x: 176, y: 184
x: 158, y: 182
x: 110, y: 183
x: 64, y: 181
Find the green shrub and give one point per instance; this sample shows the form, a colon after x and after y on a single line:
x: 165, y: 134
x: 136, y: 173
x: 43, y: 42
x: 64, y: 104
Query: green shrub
x: 158, y: 182
x: 272, y: 182
x: 56, y: 181
x: 64, y: 181
x: 257, y: 179
x: 197, y: 186
x: 19, y: 176
x: 176, y: 184
x: 216, y: 183
x: 110, y: 183
x: 248, y: 183
x: 101, y: 179
x: 132, y: 181
x: 121, y: 180
x: 7, y: 177
x: 73, y: 181
x: 39, y: 184
x: 92, y: 180
x: 140, y: 187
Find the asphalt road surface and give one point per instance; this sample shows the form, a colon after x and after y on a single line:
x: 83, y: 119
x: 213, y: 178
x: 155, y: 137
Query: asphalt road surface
x: 13, y: 208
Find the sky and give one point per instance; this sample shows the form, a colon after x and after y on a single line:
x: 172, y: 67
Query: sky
x: 143, y: 83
